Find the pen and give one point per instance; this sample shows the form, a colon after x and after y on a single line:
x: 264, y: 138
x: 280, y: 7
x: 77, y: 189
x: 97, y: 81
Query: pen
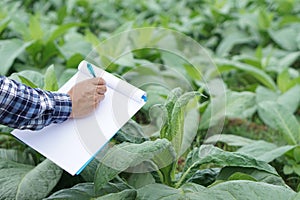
x: 91, y: 70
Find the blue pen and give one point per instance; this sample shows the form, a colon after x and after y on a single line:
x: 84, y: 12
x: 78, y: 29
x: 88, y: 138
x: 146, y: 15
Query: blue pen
x: 91, y: 70
x: 144, y: 97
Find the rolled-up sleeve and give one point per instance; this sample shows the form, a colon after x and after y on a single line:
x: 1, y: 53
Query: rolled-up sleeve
x: 23, y: 107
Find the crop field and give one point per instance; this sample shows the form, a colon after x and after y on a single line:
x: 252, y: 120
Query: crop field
x: 222, y: 77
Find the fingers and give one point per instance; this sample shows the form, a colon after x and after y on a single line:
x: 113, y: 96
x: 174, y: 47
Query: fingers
x: 97, y: 99
x: 98, y: 81
x: 101, y: 89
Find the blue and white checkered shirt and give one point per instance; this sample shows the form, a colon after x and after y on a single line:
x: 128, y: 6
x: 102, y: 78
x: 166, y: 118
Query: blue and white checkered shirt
x: 23, y: 107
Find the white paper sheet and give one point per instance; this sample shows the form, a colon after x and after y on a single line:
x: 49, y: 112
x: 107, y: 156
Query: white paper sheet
x: 72, y: 144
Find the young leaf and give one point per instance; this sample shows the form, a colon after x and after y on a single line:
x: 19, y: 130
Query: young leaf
x: 35, y: 30
x: 177, y: 125
x: 169, y: 104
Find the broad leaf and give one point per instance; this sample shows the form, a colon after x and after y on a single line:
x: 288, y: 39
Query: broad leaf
x: 9, y: 51
x: 230, y: 40
x: 238, y: 105
x: 189, y: 191
x: 277, y: 117
x: 126, y: 155
x: 264, y: 78
x: 264, y: 151
x: 125, y: 194
x: 50, y: 80
x: 289, y: 99
x: 229, y: 139
x: 208, y: 154
x: 16, y: 156
x: 249, y: 190
x: 285, y: 37
x: 231, y: 190
x: 60, y: 30
x: 205, y: 177
x: 138, y: 180
x: 257, y: 175
x: 20, y: 181
x: 131, y: 132
x: 86, y: 191
x: 29, y: 77
x: 88, y: 172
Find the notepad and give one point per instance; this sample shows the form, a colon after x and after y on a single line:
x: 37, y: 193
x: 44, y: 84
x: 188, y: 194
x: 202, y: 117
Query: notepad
x: 75, y: 142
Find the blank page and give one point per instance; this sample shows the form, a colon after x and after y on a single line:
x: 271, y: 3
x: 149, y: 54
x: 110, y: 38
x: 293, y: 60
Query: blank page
x: 73, y: 143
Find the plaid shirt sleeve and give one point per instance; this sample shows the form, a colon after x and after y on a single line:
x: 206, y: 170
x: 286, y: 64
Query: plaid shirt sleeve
x: 23, y: 107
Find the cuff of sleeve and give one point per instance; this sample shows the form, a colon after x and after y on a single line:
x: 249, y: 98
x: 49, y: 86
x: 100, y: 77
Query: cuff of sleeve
x: 63, y: 107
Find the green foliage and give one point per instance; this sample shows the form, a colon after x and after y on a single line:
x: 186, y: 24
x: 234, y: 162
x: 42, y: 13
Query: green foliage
x: 21, y: 181
x: 255, y: 45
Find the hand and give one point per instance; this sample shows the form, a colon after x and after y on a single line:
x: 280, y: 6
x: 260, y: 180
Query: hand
x: 86, y: 96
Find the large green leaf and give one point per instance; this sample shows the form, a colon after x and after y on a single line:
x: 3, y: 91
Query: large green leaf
x: 289, y: 99
x: 86, y: 191
x: 74, y: 44
x: 60, y: 30
x: 260, y: 149
x: 126, y: 155
x: 233, y: 38
x: 279, y: 118
x: 231, y: 140
x: 20, y: 181
x: 207, y: 154
x: 9, y: 50
x: 237, y: 105
x: 265, y: 151
x: 205, y: 177
x: 228, y: 173
x: 50, y: 80
x: 17, y: 156
x: 29, y: 77
x: 285, y: 37
x: 125, y: 194
x: 231, y: 190
x: 189, y: 191
x: 264, y: 78
x: 249, y: 190
x: 138, y: 180
x: 131, y: 132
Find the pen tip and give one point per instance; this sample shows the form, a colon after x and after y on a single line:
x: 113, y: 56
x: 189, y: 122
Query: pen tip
x: 144, y: 97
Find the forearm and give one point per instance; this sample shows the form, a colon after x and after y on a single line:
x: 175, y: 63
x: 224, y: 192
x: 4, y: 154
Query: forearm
x: 23, y: 107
